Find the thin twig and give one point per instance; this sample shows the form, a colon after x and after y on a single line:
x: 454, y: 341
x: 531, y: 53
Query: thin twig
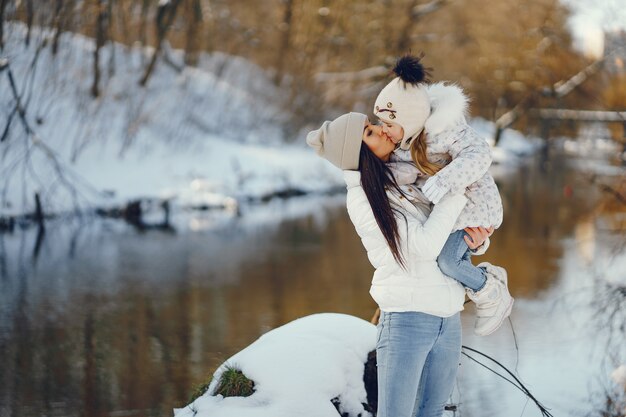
x: 494, y: 371
x: 518, y: 384
x: 33, y: 141
x: 516, y: 345
x: 18, y: 101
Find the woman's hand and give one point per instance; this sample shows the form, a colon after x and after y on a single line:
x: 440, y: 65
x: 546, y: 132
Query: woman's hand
x: 477, y: 236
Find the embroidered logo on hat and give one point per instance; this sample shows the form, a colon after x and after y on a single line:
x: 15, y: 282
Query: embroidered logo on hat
x: 392, y: 113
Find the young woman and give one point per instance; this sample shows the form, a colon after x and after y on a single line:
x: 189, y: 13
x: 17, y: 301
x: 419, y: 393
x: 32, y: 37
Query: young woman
x: 441, y: 154
x: 419, y: 332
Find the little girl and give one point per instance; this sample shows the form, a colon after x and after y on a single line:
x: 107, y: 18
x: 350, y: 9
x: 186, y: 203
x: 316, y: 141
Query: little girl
x: 438, y: 153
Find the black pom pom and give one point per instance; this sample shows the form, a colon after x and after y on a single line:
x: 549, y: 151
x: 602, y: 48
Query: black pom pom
x: 410, y: 69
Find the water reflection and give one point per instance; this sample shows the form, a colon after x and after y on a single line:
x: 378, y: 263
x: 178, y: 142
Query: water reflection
x: 108, y: 321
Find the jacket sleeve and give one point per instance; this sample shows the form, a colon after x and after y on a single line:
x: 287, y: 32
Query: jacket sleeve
x: 471, y: 158
x: 425, y: 240
x: 419, y: 239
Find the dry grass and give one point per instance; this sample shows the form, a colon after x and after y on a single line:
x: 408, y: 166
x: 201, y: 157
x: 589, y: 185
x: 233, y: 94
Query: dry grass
x: 233, y: 383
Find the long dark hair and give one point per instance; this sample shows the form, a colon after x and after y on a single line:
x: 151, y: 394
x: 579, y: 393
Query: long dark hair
x: 376, y: 178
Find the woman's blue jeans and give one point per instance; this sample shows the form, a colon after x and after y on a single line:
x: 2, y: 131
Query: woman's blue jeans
x: 418, y: 357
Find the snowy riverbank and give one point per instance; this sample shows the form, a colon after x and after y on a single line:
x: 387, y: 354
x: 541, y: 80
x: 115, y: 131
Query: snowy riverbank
x: 207, y: 136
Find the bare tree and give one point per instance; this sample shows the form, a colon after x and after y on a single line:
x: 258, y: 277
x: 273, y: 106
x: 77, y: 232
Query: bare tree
x: 122, y: 17
x: 143, y: 22
x: 283, y: 48
x: 109, y: 31
x: 415, y: 12
x: 323, y: 40
x: 164, y: 19
x: 404, y: 38
x: 30, y: 17
x: 101, y: 35
x: 194, y: 21
x: 3, y: 6
x: 59, y: 22
x: 33, y: 144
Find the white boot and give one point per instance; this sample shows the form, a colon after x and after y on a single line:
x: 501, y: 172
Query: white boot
x: 493, y: 301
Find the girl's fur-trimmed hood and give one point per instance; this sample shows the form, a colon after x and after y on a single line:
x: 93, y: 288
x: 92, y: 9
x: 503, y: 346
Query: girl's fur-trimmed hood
x: 449, y: 106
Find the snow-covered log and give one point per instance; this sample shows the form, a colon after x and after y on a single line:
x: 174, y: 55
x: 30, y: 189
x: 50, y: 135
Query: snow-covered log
x: 306, y: 368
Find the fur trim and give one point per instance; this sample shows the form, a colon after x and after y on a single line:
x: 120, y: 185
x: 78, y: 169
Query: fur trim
x: 448, y: 104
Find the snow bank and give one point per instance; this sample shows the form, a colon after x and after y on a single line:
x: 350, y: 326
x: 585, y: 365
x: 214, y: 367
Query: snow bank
x: 202, y: 136
x: 297, y: 369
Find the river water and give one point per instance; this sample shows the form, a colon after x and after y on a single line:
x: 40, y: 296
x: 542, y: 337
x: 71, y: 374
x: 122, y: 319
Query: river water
x: 109, y: 321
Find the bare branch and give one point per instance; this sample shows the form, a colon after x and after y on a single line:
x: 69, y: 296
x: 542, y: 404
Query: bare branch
x: 427, y: 8
x: 18, y: 100
x: 362, y: 75
x: 559, y: 90
x: 581, y: 115
x: 563, y: 88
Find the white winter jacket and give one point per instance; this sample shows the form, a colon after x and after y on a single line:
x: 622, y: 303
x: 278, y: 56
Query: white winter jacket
x: 448, y: 135
x: 422, y: 286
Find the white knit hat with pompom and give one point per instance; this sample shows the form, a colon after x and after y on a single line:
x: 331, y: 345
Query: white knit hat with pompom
x: 404, y: 100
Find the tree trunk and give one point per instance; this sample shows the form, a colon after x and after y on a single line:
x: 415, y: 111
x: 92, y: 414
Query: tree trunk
x: 58, y: 26
x: 30, y: 17
x: 282, y: 51
x: 100, y: 40
x: 404, y: 39
x: 3, y: 5
x: 165, y: 16
x: 39, y: 216
x: 109, y: 35
x: 415, y: 12
x: 123, y: 28
x: 143, y: 23
x: 194, y: 14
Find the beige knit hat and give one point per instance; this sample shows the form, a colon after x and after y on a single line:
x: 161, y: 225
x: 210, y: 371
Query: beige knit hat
x: 404, y: 100
x: 339, y: 141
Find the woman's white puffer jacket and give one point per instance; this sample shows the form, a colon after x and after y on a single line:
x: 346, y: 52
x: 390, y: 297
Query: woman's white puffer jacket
x: 421, y: 286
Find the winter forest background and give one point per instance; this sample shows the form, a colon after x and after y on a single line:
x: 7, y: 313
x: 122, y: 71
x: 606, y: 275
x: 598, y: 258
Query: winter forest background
x: 87, y: 75
x: 159, y: 210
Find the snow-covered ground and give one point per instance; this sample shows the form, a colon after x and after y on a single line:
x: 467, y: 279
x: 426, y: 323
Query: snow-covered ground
x: 297, y: 369
x: 208, y: 136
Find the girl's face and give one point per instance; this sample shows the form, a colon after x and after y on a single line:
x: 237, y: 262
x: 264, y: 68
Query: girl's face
x: 379, y: 143
x: 393, y: 130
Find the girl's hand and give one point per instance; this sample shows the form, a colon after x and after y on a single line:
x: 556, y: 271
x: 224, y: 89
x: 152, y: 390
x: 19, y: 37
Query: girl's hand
x: 477, y: 236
